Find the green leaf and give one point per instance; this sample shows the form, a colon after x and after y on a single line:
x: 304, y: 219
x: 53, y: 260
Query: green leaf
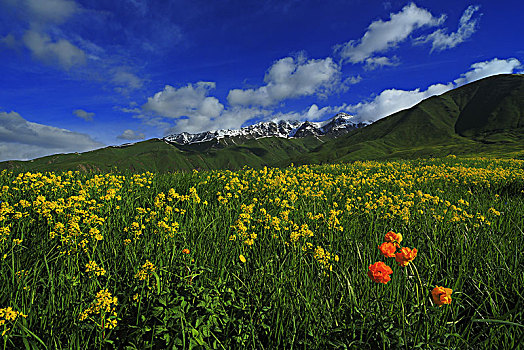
x: 487, y: 320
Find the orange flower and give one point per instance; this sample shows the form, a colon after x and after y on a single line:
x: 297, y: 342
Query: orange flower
x: 405, y: 256
x: 388, y: 249
x: 393, y: 237
x: 379, y: 272
x: 185, y: 251
x: 441, y: 295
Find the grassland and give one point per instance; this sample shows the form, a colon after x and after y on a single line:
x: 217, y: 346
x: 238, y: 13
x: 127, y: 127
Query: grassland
x: 268, y: 258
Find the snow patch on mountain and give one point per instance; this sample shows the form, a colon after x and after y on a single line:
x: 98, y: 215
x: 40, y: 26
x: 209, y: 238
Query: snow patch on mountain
x: 338, y: 125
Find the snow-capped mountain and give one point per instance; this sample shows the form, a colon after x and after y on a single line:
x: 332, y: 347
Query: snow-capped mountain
x: 336, y: 126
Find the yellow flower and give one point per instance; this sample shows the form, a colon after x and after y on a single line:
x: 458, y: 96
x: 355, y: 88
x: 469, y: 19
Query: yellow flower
x: 242, y: 258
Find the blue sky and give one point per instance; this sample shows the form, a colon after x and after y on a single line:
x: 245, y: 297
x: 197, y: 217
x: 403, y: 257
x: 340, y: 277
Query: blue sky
x: 76, y: 75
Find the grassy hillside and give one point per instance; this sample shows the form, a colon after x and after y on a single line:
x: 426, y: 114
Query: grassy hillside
x: 484, y: 117
x: 157, y: 155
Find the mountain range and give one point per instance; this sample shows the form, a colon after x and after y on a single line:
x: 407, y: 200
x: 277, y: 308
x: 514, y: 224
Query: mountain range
x: 485, y: 117
x: 340, y: 124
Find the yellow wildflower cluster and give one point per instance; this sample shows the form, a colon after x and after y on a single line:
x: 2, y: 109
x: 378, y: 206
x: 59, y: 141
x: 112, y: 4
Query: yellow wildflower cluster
x: 325, y: 258
x: 146, y: 271
x: 71, y: 208
x: 242, y: 225
x: 92, y: 267
x: 9, y: 315
x: 163, y: 218
x: 21, y: 274
x: 105, y: 306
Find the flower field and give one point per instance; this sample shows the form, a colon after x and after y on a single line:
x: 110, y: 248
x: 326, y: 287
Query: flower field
x: 365, y: 255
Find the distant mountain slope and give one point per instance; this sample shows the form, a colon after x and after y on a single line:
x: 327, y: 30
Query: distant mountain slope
x: 158, y: 155
x: 490, y: 105
x: 486, y: 116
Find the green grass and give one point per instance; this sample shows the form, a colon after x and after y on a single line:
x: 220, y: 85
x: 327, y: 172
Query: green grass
x: 463, y: 215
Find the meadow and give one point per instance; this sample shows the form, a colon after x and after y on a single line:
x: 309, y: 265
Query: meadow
x: 266, y: 258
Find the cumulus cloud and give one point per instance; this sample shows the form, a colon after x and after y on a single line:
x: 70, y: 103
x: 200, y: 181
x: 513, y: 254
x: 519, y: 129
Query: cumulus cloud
x: 47, y: 50
x: 312, y: 113
x: 191, y: 109
x: 393, y: 100
x: 290, y: 78
x: 485, y: 69
x: 384, y: 35
x: 232, y: 118
x: 195, y: 111
x: 191, y: 101
x: 80, y: 113
x: 21, y: 139
x: 131, y: 135
x: 441, y: 40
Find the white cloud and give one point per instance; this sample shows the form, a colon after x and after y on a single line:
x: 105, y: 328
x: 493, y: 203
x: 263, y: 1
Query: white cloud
x: 192, y: 110
x: 126, y: 82
x: 43, y: 11
x: 290, y: 78
x: 384, y: 35
x: 131, y: 135
x: 467, y: 26
x: 375, y: 62
x: 232, y: 118
x: 196, y: 111
x: 87, y: 116
x: 484, y: 69
x: 43, y: 48
x: 393, y: 100
x: 21, y: 139
x: 312, y: 113
x: 56, y: 11
x: 42, y: 18
x: 188, y: 101
x: 352, y: 80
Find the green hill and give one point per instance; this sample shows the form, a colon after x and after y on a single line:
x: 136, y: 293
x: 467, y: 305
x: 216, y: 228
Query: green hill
x: 485, y: 117
x: 157, y: 155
